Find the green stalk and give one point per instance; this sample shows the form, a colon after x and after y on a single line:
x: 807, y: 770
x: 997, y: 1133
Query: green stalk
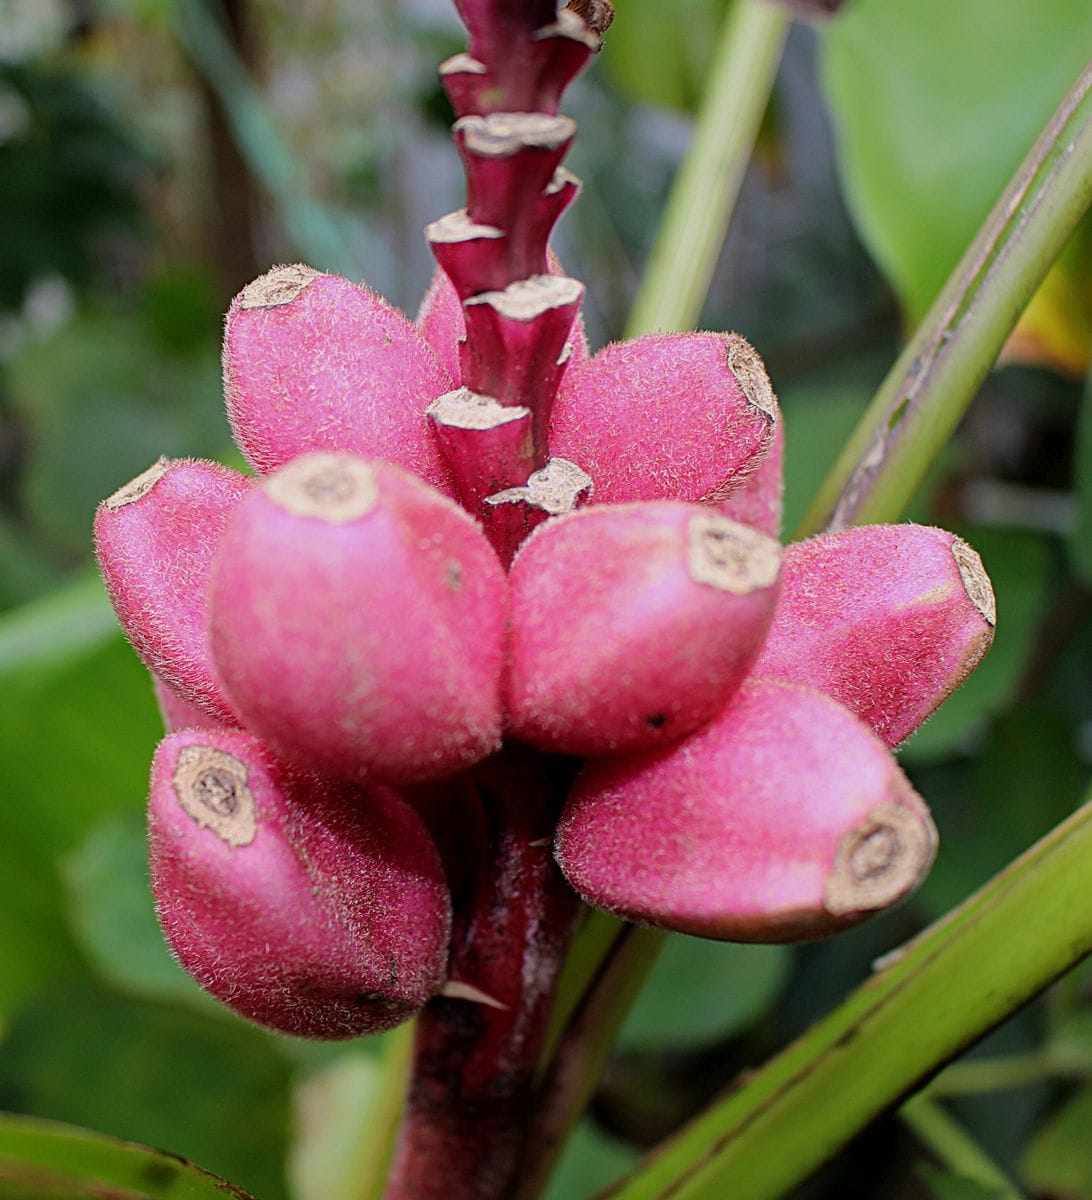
x: 366, y: 1175
x: 945, y: 990
x: 676, y: 279
x: 581, y: 1054
x: 950, y: 1143
x: 929, y: 388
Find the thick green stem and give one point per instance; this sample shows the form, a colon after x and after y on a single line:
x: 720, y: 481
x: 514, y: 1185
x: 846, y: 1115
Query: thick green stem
x: 942, y: 992
x: 695, y: 221
x: 927, y: 391
x: 578, y: 1061
x: 950, y: 1143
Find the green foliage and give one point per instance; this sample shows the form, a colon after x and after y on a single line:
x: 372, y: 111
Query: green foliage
x: 1057, y: 1160
x: 76, y: 732
x: 110, y: 913
x: 104, y: 396
x: 935, y: 104
x: 701, y: 991
x: 651, y: 60
x: 214, y: 1092
x: 946, y: 1185
x: 69, y: 172
x: 44, y: 1160
x: 592, y: 1160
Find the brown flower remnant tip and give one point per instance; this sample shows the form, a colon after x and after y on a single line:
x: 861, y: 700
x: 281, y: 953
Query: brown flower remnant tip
x: 527, y: 299
x: 500, y: 135
x: 211, y: 786
x: 554, y: 489
x: 331, y: 487
x: 880, y: 861
x: 750, y: 371
x: 279, y: 286
x: 464, y: 409
x: 975, y: 580
x: 731, y: 557
x: 136, y: 489
x: 598, y: 14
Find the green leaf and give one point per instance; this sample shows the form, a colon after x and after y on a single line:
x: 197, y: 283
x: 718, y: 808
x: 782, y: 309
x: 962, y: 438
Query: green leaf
x: 1080, y: 543
x: 945, y: 1185
x: 215, y: 1092
x: 819, y: 416
x: 347, y: 1118
x: 43, y: 1160
x: 700, y: 991
x: 57, y: 627
x: 101, y: 398
x: 653, y: 59
x: 1020, y: 564
x: 111, y: 913
x: 994, y: 806
x: 591, y: 1162
x: 1057, y: 1161
x: 935, y: 104
x: 77, y: 728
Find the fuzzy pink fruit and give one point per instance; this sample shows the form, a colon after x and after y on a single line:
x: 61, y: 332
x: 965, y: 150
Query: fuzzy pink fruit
x: 632, y: 624
x: 311, y: 907
x: 358, y: 621
x: 784, y: 819
x: 155, y: 539
x: 757, y: 501
x: 314, y: 362
x: 667, y: 417
x: 887, y: 619
x: 177, y: 714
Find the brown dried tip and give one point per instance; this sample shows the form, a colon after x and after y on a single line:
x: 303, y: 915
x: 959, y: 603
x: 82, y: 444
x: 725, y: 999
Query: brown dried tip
x: 975, y: 580
x: 528, y: 299
x: 554, y: 489
x: 279, y: 286
x: 731, y: 557
x: 596, y: 14
x: 464, y: 409
x: 337, y: 488
x: 500, y: 135
x: 136, y: 489
x: 211, y: 786
x: 749, y: 369
x: 880, y: 861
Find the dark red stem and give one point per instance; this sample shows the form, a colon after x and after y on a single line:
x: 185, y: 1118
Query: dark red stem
x: 506, y: 91
x: 471, y: 1089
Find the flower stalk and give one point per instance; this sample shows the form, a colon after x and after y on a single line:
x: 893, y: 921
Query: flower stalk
x: 699, y: 208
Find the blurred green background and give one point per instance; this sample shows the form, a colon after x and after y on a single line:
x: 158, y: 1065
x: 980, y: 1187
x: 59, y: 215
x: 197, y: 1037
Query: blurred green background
x: 155, y: 155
